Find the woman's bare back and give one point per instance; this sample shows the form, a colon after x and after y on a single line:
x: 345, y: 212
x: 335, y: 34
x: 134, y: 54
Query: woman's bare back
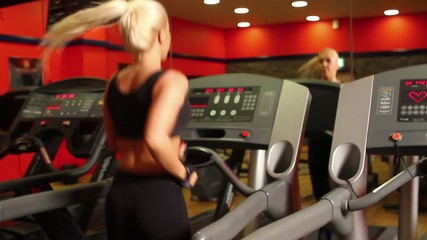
x: 135, y: 156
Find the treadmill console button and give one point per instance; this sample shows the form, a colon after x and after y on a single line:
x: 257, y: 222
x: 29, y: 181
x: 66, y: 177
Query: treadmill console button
x: 245, y: 134
x: 396, y: 136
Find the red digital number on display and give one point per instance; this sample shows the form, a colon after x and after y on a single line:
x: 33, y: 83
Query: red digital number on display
x: 220, y: 90
x: 198, y: 105
x: 53, y: 108
x: 240, y: 89
x: 209, y: 90
x: 65, y: 96
x: 421, y: 82
x: 408, y: 83
x: 416, y: 82
x: 417, y: 96
x: 230, y: 90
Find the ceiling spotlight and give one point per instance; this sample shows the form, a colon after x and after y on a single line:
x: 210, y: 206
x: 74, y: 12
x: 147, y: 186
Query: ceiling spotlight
x: 313, y: 18
x: 391, y: 12
x: 241, y: 10
x: 243, y: 24
x: 298, y: 4
x: 211, y: 2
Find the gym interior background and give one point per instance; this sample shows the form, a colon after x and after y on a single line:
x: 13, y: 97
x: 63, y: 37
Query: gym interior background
x: 378, y: 44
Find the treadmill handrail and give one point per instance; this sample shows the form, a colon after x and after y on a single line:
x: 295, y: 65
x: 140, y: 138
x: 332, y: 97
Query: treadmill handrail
x: 319, y: 214
x: 240, y: 186
x: 307, y: 220
x: 232, y: 223
x: 291, y: 226
x: 32, y: 181
x: 22, y: 206
x: 388, y: 187
x: 262, y: 200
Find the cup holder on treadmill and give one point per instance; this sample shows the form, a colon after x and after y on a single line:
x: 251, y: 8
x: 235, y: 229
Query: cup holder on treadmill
x: 210, y: 133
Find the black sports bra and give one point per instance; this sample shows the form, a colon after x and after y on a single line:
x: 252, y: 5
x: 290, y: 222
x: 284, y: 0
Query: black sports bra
x: 129, y: 111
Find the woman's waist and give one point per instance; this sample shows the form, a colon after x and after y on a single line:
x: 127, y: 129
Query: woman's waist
x: 133, y: 173
x: 141, y: 168
x: 123, y: 176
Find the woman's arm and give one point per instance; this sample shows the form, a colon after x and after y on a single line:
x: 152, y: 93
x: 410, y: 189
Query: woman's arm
x: 168, y: 97
x: 108, y: 125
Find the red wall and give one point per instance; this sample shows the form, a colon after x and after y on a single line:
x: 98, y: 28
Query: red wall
x: 26, y: 19
x: 197, y: 39
x: 404, y: 32
x: 23, y: 21
x: 287, y: 39
x: 207, y: 47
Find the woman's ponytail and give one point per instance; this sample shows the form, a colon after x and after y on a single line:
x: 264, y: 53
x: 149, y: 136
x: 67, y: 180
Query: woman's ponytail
x: 76, y: 24
x: 139, y: 21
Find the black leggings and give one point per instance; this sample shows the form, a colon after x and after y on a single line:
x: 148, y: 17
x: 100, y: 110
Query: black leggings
x: 319, y: 149
x: 146, y: 207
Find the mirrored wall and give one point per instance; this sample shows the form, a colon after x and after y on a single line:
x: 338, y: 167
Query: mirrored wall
x: 368, y: 41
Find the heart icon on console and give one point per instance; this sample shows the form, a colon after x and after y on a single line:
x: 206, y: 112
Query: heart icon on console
x: 418, y: 96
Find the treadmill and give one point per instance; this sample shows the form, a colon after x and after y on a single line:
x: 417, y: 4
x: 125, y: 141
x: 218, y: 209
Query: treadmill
x: 379, y: 114
x: 272, y: 126
x: 321, y: 118
x: 249, y: 112
x: 67, y: 111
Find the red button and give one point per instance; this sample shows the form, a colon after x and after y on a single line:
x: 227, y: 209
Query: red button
x: 396, y: 136
x: 245, y: 134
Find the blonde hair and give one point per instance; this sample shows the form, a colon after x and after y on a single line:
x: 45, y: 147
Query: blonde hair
x: 139, y: 22
x: 309, y: 69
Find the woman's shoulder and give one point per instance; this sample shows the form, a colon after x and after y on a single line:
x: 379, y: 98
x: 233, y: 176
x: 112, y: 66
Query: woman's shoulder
x: 175, y: 76
x: 174, y: 73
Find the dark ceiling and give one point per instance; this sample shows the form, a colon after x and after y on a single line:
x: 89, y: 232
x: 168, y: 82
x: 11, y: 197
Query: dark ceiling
x: 8, y: 3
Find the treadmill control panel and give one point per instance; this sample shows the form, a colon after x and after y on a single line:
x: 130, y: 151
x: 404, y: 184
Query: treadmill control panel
x: 241, y: 110
x: 386, y: 111
x: 227, y: 104
x: 412, y: 101
x: 64, y: 105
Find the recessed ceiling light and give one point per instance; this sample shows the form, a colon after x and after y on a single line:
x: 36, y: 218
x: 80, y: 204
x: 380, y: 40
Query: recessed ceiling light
x: 241, y: 10
x: 391, y: 12
x: 298, y: 4
x: 313, y: 18
x: 243, y: 24
x: 211, y: 2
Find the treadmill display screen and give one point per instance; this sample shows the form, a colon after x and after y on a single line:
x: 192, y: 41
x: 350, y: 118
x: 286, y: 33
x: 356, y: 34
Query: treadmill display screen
x: 64, y: 105
x: 225, y: 104
x: 413, y: 101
